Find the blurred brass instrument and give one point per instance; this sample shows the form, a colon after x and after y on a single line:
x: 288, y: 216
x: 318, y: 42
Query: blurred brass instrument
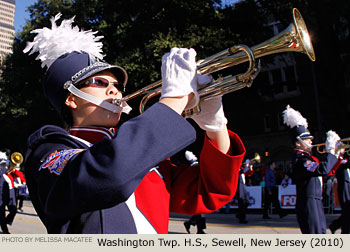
x: 295, y: 38
x: 343, y: 144
x: 255, y: 159
x: 16, y: 159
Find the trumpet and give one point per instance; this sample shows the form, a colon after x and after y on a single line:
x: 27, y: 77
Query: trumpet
x: 341, y: 144
x: 295, y: 38
x: 255, y: 159
x: 16, y: 159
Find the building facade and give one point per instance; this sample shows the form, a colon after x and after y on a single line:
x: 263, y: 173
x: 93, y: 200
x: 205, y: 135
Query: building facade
x: 7, y: 30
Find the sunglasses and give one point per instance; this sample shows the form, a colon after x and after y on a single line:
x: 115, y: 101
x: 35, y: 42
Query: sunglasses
x: 103, y: 83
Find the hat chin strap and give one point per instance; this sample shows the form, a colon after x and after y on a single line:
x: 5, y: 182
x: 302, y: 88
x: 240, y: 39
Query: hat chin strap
x: 118, y: 106
x: 303, y: 143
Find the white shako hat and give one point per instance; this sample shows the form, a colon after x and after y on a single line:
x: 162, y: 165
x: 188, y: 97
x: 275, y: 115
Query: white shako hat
x: 297, y: 124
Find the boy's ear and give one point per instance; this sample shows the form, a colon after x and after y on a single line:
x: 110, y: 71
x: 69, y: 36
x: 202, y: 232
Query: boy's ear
x: 71, y: 102
x: 298, y: 144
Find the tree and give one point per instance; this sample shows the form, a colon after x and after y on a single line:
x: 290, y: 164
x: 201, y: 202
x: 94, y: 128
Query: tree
x: 136, y: 34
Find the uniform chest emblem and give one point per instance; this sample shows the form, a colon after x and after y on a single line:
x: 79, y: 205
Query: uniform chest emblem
x: 310, y: 165
x: 58, y: 160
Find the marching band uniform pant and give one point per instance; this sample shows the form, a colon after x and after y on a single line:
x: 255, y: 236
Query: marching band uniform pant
x: 311, y: 217
x: 10, y: 217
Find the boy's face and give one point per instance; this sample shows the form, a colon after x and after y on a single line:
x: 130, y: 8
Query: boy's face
x: 308, y: 141
x: 273, y: 165
x: 88, y: 114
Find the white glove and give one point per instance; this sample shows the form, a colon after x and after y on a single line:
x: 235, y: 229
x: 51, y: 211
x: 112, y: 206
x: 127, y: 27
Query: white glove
x: 179, y: 74
x: 211, y: 117
x: 190, y: 156
x: 332, y: 141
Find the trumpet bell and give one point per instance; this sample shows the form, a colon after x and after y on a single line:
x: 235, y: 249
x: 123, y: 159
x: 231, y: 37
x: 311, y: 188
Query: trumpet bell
x: 256, y: 159
x: 304, y: 36
x: 16, y: 158
x: 295, y: 38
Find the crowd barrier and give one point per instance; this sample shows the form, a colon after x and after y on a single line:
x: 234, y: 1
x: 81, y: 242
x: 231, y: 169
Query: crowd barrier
x: 287, y: 197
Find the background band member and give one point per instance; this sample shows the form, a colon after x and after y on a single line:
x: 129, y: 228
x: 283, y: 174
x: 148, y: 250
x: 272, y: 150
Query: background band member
x: 343, y: 178
x: 242, y: 193
x: 91, y: 179
x: 7, y: 195
x: 19, y: 184
x: 197, y: 219
x: 308, y: 173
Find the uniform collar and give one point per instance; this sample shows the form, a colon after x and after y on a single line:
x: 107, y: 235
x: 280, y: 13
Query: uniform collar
x: 92, y: 134
x: 296, y: 150
x: 306, y: 153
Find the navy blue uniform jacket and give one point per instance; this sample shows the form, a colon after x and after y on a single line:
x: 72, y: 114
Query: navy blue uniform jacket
x: 72, y: 201
x: 308, y: 179
x: 4, y: 188
x: 343, y: 178
x: 309, y: 172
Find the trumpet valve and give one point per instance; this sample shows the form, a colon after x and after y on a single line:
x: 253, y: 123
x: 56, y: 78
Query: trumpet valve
x: 190, y: 112
x: 117, y: 102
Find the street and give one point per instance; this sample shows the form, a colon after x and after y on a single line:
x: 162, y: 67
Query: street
x: 28, y: 222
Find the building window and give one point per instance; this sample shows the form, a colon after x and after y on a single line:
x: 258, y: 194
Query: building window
x: 280, y: 123
x: 277, y: 81
x: 346, y: 62
x: 267, y: 123
x: 290, y: 78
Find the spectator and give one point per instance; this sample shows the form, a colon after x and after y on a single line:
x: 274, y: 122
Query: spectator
x: 286, y: 180
x: 271, y: 195
x: 262, y: 182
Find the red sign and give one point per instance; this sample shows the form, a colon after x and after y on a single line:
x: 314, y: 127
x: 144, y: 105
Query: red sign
x: 288, y: 200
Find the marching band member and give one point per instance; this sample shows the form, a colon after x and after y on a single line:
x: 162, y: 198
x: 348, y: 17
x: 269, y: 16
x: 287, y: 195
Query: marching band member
x: 242, y: 193
x: 309, y: 172
x: 197, y: 219
x: 91, y: 179
x: 343, y: 178
x: 7, y: 195
x: 19, y: 183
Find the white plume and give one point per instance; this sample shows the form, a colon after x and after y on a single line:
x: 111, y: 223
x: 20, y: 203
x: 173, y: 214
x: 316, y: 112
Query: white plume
x: 3, y: 158
x: 190, y: 156
x: 293, y: 118
x: 332, y: 139
x: 59, y: 40
x: 332, y: 135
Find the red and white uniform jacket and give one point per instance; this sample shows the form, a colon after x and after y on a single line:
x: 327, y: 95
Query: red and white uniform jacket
x: 91, y: 180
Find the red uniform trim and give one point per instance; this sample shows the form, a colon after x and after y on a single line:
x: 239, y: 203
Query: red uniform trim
x: 191, y: 189
x: 335, y: 167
